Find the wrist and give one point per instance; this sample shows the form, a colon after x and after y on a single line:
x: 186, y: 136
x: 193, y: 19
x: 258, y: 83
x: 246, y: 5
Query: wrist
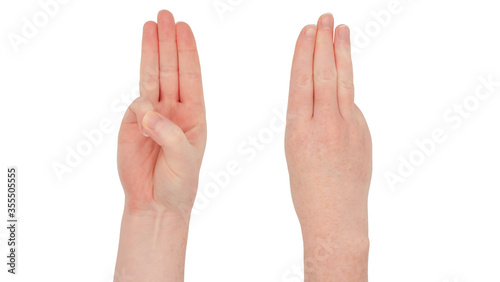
x: 335, y: 225
x: 330, y: 243
x: 152, y: 245
x: 153, y: 210
x: 335, y: 238
x: 157, y: 220
x: 331, y: 255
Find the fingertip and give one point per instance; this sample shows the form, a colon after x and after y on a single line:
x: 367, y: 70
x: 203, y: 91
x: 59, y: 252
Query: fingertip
x: 343, y: 33
x: 142, y: 128
x: 183, y: 25
x: 150, y: 33
x: 309, y: 31
x: 183, y: 30
x: 325, y: 21
x: 166, y: 21
x: 165, y: 15
x: 149, y: 122
x: 149, y: 26
x: 183, y: 33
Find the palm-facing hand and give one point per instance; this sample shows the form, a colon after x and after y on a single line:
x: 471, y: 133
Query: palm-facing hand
x: 160, y: 172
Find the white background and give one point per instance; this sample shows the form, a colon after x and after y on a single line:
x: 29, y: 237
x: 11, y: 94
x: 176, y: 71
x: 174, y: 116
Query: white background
x: 81, y: 67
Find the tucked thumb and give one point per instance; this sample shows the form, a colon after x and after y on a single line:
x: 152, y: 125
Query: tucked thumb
x: 164, y: 132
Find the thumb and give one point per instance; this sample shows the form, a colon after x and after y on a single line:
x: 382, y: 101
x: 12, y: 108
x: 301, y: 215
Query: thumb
x: 167, y: 134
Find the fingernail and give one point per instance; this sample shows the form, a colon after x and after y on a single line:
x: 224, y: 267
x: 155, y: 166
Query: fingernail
x: 343, y: 32
x: 310, y: 31
x: 150, y: 121
x: 327, y: 21
x: 141, y: 128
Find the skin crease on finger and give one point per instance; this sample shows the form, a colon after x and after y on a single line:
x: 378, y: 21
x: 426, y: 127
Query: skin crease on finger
x: 328, y: 151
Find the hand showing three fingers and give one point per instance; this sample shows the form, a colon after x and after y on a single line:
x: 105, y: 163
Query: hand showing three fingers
x: 160, y: 148
x: 328, y: 150
x: 159, y: 173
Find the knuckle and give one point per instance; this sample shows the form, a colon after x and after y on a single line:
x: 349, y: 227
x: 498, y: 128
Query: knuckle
x: 149, y: 79
x: 325, y: 74
x: 168, y: 71
x: 303, y: 79
x: 187, y: 50
x: 346, y: 84
x: 190, y: 75
x: 135, y: 105
x: 295, y: 133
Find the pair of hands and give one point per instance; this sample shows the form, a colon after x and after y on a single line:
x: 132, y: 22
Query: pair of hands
x: 327, y: 143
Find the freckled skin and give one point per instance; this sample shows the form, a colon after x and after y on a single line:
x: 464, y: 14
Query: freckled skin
x: 328, y: 151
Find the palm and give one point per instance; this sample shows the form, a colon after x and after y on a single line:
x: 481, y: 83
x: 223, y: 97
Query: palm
x: 150, y: 172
